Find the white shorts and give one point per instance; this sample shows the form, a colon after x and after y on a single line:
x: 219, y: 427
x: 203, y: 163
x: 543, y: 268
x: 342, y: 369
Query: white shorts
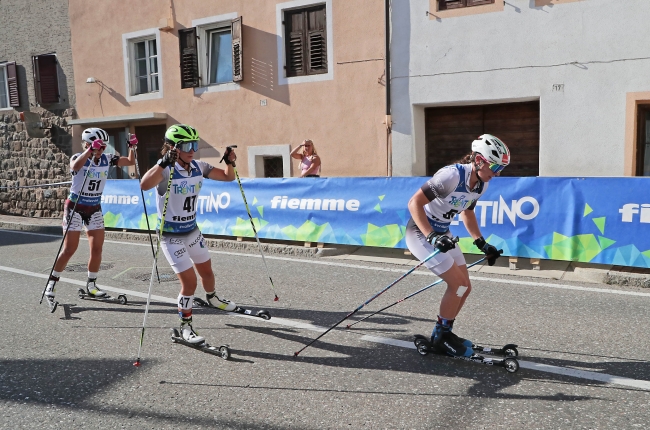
x: 418, y: 245
x: 183, y: 250
x: 90, y: 217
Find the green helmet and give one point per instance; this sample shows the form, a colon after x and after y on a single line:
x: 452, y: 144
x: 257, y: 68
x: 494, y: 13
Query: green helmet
x: 179, y: 133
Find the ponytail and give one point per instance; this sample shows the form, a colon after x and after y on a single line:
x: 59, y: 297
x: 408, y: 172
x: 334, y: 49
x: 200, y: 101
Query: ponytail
x: 467, y: 159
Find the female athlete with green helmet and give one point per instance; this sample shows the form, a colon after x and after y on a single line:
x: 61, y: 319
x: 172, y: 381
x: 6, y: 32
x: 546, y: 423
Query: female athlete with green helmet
x: 178, y: 178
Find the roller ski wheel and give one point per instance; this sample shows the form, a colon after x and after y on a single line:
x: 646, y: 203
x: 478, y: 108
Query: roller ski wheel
x: 83, y: 294
x: 222, y: 351
x: 264, y: 314
x: 424, y: 347
x: 511, y: 365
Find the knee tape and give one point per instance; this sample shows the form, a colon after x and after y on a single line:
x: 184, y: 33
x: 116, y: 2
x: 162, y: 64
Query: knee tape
x: 460, y: 292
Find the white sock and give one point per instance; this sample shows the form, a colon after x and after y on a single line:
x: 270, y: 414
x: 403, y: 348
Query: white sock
x: 56, y: 274
x: 92, y: 275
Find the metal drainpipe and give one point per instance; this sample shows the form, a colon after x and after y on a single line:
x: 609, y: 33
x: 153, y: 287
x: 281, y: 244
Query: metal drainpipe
x: 389, y: 158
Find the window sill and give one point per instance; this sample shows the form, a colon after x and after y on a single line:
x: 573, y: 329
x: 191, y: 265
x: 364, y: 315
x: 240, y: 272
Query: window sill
x: 7, y: 109
x: 217, y: 88
x: 308, y: 78
x: 145, y: 96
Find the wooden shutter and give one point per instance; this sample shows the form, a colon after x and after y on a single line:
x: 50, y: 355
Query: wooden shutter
x: 294, y: 32
x: 237, y: 51
x: 316, y: 40
x: 450, y: 4
x: 12, y: 83
x: 478, y: 2
x: 189, y: 58
x: 46, y: 83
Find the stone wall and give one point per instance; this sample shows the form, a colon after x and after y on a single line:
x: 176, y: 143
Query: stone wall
x: 28, y: 161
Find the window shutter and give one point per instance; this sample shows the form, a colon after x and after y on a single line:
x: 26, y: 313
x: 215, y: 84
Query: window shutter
x: 478, y: 2
x: 317, y: 41
x: 12, y: 83
x: 450, y: 4
x: 189, y: 58
x: 295, y: 44
x: 46, y: 82
x: 237, y: 51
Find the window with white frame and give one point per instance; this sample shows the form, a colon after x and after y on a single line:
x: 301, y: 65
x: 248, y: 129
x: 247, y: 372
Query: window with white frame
x: 145, y: 66
x: 142, y: 59
x: 219, y: 55
x: 4, y: 89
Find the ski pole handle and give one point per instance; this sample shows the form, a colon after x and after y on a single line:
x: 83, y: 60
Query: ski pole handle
x: 227, y: 154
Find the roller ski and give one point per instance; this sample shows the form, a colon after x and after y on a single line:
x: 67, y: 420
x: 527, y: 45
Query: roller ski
x: 212, y: 301
x: 450, y: 348
x: 188, y: 337
x: 92, y: 292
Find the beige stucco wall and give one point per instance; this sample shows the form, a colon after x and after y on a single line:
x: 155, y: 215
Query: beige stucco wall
x: 344, y: 116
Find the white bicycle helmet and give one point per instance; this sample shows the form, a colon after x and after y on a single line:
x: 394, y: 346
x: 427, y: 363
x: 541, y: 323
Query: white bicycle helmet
x: 89, y: 135
x: 492, y: 149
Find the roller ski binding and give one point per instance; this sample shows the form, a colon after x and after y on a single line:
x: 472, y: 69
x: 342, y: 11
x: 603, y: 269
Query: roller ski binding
x: 93, y: 293
x: 424, y: 347
x: 212, y: 301
x: 188, y: 337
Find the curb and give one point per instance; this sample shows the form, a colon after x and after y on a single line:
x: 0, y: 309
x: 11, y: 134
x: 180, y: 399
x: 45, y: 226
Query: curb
x: 627, y: 279
x: 216, y: 243
x: 34, y: 228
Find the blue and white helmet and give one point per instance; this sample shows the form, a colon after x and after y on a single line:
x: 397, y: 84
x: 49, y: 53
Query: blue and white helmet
x: 90, y: 135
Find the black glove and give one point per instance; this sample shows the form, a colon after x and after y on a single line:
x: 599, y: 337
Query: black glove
x: 491, y: 252
x: 226, y: 155
x: 169, y: 159
x: 441, y: 241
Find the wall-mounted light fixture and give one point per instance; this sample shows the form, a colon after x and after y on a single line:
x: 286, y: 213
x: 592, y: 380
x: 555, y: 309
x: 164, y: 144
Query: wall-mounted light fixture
x: 91, y: 80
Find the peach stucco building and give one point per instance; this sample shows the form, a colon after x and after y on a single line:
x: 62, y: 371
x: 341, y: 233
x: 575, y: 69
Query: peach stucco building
x: 259, y: 74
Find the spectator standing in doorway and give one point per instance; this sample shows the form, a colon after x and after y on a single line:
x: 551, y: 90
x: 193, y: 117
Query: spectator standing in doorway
x: 309, y: 159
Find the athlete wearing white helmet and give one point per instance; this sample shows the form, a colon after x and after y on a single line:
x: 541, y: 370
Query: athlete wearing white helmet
x: 89, y: 171
x: 453, y: 190
x: 182, y: 241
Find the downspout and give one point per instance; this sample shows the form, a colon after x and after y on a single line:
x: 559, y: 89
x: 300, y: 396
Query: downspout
x: 388, y: 120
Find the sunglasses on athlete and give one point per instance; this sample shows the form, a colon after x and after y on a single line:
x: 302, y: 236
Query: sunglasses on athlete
x: 188, y: 146
x: 496, y: 168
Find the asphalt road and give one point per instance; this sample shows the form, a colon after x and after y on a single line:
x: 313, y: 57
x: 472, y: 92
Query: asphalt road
x: 583, y: 348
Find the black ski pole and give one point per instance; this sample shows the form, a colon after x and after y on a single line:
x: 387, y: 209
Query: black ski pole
x: 144, y: 205
x: 411, y: 295
x: 155, y: 261
x: 224, y: 158
x: 433, y: 254
x: 70, y: 216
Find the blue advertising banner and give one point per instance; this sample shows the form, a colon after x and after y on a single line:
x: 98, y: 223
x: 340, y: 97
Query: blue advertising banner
x: 597, y: 220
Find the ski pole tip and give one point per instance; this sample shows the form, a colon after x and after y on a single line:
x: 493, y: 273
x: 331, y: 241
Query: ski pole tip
x: 276, y: 299
x: 295, y: 354
x: 137, y: 363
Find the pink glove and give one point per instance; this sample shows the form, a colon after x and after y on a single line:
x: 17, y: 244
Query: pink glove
x: 132, y: 141
x: 97, y: 144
